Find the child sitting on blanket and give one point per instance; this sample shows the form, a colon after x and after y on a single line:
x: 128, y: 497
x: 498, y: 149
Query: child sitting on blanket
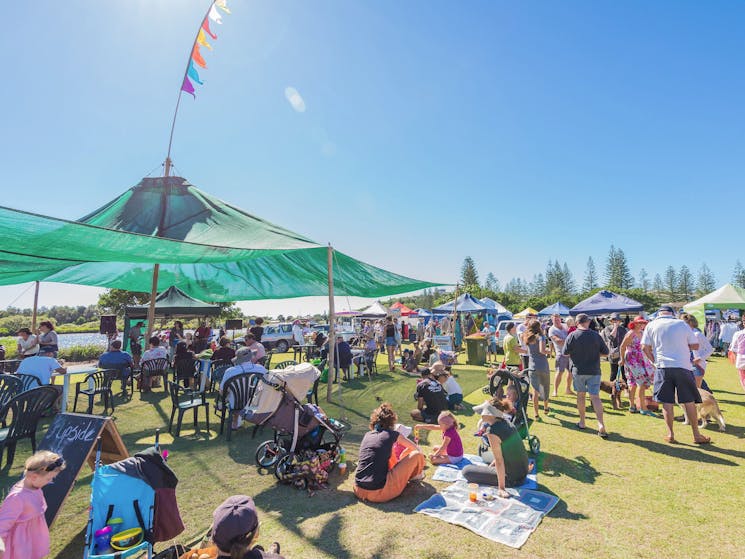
x: 451, y: 449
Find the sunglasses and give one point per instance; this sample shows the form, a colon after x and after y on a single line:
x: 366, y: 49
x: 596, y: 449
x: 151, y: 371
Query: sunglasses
x: 51, y: 467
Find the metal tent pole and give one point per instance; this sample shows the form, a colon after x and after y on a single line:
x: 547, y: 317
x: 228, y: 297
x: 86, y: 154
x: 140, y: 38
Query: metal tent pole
x: 332, y: 324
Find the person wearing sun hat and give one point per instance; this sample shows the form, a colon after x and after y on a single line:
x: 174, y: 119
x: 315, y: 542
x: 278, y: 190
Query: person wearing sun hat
x: 235, y: 528
x: 639, y: 371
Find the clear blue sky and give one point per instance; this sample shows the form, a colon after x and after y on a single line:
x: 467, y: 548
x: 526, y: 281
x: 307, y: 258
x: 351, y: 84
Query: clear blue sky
x: 511, y: 132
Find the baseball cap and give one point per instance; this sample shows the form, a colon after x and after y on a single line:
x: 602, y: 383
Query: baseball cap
x: 582, y: 317
x: 615, y: 316
x: 242, y: 355
x: 235, y: 517
x: 666, y: 308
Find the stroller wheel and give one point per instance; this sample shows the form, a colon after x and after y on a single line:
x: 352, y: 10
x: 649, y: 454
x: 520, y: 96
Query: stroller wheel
x: 535, y: 445
x: 284, y: 467
x: 268, y: 453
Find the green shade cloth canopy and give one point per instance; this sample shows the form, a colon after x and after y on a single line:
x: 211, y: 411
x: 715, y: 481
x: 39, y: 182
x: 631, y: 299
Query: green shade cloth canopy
x: 174, y: 302
x: 726, y: 297
x: 211, y: 250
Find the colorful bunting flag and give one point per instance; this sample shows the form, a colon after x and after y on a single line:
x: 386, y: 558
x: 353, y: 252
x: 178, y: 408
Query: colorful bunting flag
x: 206, y: 27
x: 187, y: 87
x: 202, y: 40
x: 193, y: 74
x: 214, y: 15
x: 222, y: 5
x: 196, y: 56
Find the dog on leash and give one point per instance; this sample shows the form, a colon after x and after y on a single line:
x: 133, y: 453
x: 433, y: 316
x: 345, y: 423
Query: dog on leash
x: 707, y: 409
x: 614, y: 389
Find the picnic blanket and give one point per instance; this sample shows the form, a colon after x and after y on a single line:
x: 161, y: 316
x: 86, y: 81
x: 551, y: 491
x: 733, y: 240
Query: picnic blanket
x: 507, y: 521
x: 453, y: 472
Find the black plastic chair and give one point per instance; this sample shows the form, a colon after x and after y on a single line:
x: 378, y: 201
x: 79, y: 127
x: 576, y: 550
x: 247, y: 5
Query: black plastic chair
x: 218, y: 371
x: 10, y: 386
x: 25, y: 410
x: 285, y: 364
x: 29, y: 382
x: 154, y: 368
x: 9, y: 365
x: 313, y: 392
x: 240, y: 389
x: 186, y: 370
x: 266, y: 361
x: 184, y: 400
x: 95, y: 383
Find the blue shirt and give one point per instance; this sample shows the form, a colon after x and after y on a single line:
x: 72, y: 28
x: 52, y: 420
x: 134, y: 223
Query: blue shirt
x: 119, y: 360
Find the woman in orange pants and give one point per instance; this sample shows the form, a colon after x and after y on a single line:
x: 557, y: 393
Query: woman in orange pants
x: 375, y: 479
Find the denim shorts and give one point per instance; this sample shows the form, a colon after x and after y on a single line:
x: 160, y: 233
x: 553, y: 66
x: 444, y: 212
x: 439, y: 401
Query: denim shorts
x: 390, y: 341
x: 587, y: 383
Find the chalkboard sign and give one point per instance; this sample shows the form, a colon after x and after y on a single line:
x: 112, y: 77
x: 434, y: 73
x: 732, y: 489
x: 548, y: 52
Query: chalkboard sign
x: 73, y: 436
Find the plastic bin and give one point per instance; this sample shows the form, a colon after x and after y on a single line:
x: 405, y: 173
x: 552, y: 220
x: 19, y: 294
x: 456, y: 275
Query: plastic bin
x: 476, y: 350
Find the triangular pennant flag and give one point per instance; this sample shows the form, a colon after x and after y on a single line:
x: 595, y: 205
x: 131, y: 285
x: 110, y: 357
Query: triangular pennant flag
x: 214, y: 15
x: 187, y: 87
x: 202, y: 40
x: 193, y: 74
x: 206, y: 27
x: 222, y: 5
x: 196, y: 56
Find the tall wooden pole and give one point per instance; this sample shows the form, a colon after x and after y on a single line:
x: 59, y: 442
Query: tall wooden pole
x: 455, y: 316
x: 36, y: 306
x: 156, y: 268
x: 332, y: 325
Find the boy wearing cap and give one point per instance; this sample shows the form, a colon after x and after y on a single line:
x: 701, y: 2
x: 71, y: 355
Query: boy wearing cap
x: 585, y: 347
x: 235, y: 527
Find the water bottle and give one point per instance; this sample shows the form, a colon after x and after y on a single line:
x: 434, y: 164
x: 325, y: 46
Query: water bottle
x: 342, y: 461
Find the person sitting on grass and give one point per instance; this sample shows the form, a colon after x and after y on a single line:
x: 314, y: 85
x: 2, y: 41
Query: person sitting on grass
x: 508, y: 461
x: 379, y: 478
x: 430, y: 397
x: 451, y: 449
x: 451, y: 386
x: 118, y: 360
x: 235, y: 528
x: 22, y: 525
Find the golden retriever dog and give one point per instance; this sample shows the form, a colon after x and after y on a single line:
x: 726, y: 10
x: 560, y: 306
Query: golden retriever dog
x: 708, y: 409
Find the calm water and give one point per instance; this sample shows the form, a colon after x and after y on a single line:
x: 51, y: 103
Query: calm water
x: 67, y: 340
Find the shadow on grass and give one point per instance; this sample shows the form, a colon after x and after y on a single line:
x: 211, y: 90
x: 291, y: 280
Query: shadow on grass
x: 75, y: 546
x: 294, y: 508
x: 578, y: 468
x: 561, y: 509
x: 684, y: 452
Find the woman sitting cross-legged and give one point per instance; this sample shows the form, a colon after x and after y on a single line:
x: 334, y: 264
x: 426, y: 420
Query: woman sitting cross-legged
x: 508, y: 460
x: 380, y: 477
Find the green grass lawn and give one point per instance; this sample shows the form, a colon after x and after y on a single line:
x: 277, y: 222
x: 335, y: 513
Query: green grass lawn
x: 630, y: 496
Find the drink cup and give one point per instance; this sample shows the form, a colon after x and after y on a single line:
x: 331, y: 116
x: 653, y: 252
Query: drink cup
x: 343, y: 468
x: 473, y: 492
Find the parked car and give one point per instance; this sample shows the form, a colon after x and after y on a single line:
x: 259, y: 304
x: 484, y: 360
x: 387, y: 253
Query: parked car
x: 278, y: 337
x: 346, y: 335
x: 501, y: 333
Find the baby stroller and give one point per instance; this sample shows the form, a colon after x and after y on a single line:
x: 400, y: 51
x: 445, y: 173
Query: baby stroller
x: 306, y: 443
x: 498, y: 384
x: 123, y: 520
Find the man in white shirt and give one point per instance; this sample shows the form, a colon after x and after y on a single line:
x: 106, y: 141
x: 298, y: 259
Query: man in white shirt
x: 491, y: 341
x: 726, y: 334
x: 519, y: 331
x: 667, y: 342
x: 297, y: 333
x: 41, y: 366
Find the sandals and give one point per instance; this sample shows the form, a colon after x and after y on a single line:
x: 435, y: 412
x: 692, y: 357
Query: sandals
x: 669, y: 439
x: 580, y: 426
x: 648, y: 413
x: 634, y: 409
x: 702, y: 440
x: 603, y: 434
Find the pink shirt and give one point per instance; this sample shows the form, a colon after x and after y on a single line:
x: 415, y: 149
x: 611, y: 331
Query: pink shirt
x: 455, y: 446
x: 22, y: 524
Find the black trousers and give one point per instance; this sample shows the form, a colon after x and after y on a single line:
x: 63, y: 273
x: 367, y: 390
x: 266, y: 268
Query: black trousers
x: 614, y: 371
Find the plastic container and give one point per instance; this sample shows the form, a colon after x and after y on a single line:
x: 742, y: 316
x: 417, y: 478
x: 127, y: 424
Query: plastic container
x: 102, y: 538
x: 473, y: 492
